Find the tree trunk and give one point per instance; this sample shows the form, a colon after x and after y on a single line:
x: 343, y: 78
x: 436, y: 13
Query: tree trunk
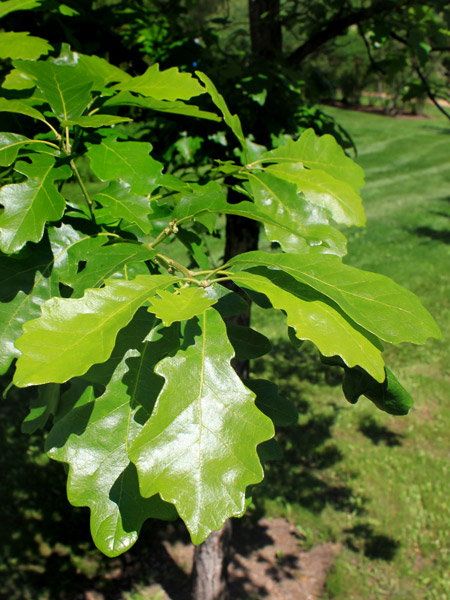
x: 210, y: 581
x: 211, y: 558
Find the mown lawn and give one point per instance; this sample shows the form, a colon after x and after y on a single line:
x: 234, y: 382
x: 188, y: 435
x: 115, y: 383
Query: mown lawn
x: 380, y: 485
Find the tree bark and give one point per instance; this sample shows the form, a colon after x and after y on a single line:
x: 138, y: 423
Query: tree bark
x: 210, y: 581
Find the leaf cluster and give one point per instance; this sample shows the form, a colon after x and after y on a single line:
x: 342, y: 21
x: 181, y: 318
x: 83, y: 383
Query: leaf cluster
x: 131, y: 346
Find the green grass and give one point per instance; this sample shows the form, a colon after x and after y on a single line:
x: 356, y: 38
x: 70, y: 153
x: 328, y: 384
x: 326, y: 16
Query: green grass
x: 379, y: 484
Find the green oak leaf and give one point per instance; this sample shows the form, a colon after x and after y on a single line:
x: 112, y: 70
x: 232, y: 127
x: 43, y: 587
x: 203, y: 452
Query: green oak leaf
x: 232, y: 121
x: 22, y: 308
x: 198, y: 448
x: 82, y: 261
x: 294, y: 223
x: 93, y: 440
x: 20, y: 107
x: 12, y: 143
x: 375, y: 302
x: 8, y: 6
x: 315, y: 320
x: 389, y: 395
x: 164, y: 106
x: 74, y: 334
x: 30, y: 204
x: 93, y: 68
x: 122, y: 203
x: 127, y: 161
x: 42, y: 407
x: 278, y: 408
x: 319, y: 152
x: 247, y: 342
x: 98, y: 120
x: 20, y: 44
x: 168, y: 84
x: 200, y: 198
x: 60, y: 85
x: 15, y: 80
x: 325, y: 191
x: 180, y: 305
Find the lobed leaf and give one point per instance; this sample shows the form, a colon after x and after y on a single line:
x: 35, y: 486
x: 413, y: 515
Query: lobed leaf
x: 93, y: 439
x: 168, y: 84
x: 314, y: 320
x: 374, y: 301
x: 122, y: 203
x: 232, y: 121
x: 164, y: 106
x: 325, y: 191
x: 29, y: 205
x: 180, y: 305
x: 291, y: 221
x: 60, y: 85
x: 319, y: 152
x: 8, y: 6
x: 127, y: 161
x: 198, y: 449
x: 74, y: 334
x: 20, y: 44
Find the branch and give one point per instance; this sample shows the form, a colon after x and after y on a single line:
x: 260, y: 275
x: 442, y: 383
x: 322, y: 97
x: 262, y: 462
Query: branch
x: 430, y: 92
x: 431, y: 95
x: 339, y: 24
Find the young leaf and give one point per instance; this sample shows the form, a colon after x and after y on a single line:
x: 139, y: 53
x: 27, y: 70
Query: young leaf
x: 389, y: 395
x: 122, y: 203
x: 322, y: 190
x: 314, y: 320
x: 15, y: 44
x: 292, y: 221
x: 198, y: 449
x: 180, y: 305
x: 169, y: 84
x: 128, y: 161
x: 232, y: 121
x: 74, y: 334
x: 29, y: 205
x: 93, y: 439
x: 319, y: 152
x: 61, y: 87
x: 374, y: 301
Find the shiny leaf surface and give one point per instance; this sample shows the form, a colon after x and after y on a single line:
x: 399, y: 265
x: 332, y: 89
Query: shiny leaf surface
x: 168, y: 84
x: 314, y: 320
x: 127, y: 161
x: 93, y: 439
x: 374, y: 301
x: 181, y: 305
x: 73, y: 334
x: 29, y: 205
x: 319, y: 152
x: 15, y: 44
x: 198, y: 449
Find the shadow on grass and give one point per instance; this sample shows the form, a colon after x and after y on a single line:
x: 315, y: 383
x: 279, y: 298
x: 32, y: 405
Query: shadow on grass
x: 379, y: 434
x: 438, y: 235
x: 362, y: 538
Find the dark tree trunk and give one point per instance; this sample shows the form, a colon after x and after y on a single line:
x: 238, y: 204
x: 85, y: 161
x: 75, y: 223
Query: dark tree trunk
x: 212, y: 557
